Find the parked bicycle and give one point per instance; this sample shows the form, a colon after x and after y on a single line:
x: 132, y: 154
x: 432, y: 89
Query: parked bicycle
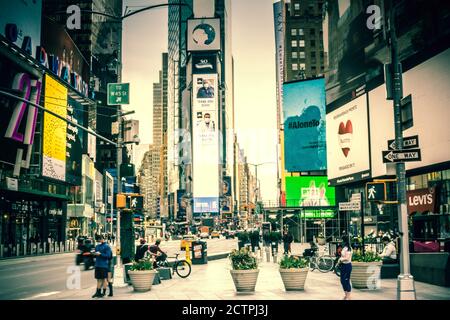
x: 316, y: 261
x: 181, y: 267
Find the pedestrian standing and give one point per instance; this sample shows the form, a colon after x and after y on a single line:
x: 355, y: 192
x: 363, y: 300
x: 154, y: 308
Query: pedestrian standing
x: 102, y: 254
x: 346, y: 267
x: 287, y: 240
x: 110, y: 274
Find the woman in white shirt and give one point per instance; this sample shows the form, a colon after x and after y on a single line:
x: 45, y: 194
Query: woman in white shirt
x: 346, y: 267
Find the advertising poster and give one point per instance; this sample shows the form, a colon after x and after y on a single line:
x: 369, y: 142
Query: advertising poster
x: 348, y: 142
x: 76, y: 138
x: 226, y: 186
x: 225, y: 204
x: 204, y: 63
x: 304, y: 125
x: 203, y: 34
x: 55, y: 130
x: 205, y: 135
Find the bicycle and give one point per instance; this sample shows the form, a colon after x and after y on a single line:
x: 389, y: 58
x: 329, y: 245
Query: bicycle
x: 181, y: 267
x: 322, y: 263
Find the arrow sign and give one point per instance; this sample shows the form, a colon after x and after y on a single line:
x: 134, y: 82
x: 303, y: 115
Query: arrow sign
x: 408, y: 143
x: 401, y: 155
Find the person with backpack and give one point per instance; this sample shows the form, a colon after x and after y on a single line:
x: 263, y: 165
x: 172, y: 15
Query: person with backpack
x: 103, y: 255
x: 141, y: 250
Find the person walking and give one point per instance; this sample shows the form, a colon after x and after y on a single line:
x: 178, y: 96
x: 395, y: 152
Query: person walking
x: 345, y: 262
x: 102, y: 254
x: 110, y: 273
x: 287, y: 240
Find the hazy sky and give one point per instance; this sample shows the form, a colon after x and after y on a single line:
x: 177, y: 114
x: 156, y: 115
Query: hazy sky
x: 144, y: 40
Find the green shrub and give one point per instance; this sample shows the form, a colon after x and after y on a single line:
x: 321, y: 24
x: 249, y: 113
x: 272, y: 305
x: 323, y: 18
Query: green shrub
x: 293, y: 262
x: 370, y: 256
x: 142, y: 265
x: 243, y: 260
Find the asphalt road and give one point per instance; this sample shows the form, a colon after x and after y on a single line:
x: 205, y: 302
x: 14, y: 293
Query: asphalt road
x: 44, y: 276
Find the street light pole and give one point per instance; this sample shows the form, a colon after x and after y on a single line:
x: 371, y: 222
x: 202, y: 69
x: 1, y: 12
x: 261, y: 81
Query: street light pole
x: 405, y: 281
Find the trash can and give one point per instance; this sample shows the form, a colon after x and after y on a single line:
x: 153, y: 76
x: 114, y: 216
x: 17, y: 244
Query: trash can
x: 199, y: 252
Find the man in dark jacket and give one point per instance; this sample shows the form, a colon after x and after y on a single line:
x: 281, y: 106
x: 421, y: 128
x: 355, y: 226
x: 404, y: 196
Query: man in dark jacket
x: 102, y: 254
x: 287, y: 240
x: 141, y: 250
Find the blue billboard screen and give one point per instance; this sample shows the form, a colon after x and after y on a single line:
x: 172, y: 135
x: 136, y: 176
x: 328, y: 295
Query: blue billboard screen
x: 304, y: 125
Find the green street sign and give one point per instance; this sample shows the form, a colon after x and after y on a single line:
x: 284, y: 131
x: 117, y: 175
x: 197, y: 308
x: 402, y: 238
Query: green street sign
x: 118, y: 93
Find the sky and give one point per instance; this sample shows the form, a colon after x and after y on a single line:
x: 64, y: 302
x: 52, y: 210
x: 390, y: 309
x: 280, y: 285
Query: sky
x: 253, y: 49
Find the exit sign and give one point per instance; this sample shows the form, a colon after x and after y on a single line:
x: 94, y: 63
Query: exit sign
x: 118, y: 93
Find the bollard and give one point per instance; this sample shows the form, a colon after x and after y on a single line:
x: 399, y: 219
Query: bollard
x: 1, y: 250
x: 17, y: 249
x: 188, y: 254
x: 61, y: 247
x: 268, y: 254
x: 45, y: 248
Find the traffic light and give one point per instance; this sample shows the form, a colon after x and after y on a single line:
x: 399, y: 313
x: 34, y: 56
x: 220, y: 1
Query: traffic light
x: 121, y: 201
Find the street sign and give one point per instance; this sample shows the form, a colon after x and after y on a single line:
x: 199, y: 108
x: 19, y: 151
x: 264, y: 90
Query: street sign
x: 355, y: 197
x: 408, y: 143
x: 349, y: 206
x: 376, y: 191
x: 401, y: 155
x: 118, y: 93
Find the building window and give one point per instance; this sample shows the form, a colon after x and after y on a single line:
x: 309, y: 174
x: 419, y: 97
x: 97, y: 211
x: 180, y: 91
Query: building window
x: 301, y: 32
x: 302, y: 43
x: 297, y: 6
x: 293, y: 32
x: 313, y: 43
x: 294, y: 66
x: 294, y: 55
x: 313, y: 54
x: 302, y: 54
x: 313, y: 69
x: 294, y: 43
x: 302, y: 66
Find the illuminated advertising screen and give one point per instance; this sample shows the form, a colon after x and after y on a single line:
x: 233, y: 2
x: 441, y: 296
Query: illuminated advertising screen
x: 205, y: 141
x: 55, y: 130
x: 76, y: 140
x: 304, y: 125
x: 309, y: 191
x: 348, y: 142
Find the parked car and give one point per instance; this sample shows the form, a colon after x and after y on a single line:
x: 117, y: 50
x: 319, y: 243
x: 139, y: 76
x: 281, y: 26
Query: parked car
x: 215, y: 234
x: 187, y: 240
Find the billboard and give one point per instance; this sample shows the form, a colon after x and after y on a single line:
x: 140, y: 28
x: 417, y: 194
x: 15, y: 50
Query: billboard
x: 203, y: 34
x: 76, y: 139
x: 205, y: 135
x: 55, y: 130
x: 226, y: 186
x: 304, y: 125
x: 348, y: 142
x: 204, y: 63
x: 309, y: 191
x: 428, y: 85
x: 20, y: 23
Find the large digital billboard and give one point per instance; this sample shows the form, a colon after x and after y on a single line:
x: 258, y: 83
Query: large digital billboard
x: 309, y: 191
x: 304, y: 125
x: 205, y: 140
x: 55, y: 130
x: 348, y: 142
x: 76, y: 140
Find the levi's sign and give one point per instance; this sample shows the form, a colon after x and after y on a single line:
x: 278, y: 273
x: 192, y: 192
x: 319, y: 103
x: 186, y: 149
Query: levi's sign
x: 408, y: 143
x: 401, y: 155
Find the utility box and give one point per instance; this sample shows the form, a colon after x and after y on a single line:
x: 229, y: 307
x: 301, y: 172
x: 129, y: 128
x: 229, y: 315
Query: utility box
x: 199, y: 252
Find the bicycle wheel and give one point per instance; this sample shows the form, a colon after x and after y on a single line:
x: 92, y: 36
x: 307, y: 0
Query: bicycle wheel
x: 325, y: 264
x: 182, y: 268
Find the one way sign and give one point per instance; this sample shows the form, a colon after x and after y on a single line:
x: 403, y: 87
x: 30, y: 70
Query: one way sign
x: 411, y: 142
x: 401, y: 155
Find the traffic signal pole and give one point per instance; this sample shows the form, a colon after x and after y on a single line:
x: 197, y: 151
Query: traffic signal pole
x: 405, y: 281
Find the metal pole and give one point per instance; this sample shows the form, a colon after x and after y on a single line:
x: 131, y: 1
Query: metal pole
x: 405, y: 282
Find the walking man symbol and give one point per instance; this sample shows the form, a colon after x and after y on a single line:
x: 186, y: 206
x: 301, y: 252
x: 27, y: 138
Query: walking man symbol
x: 134, y: 203
x: 372, y: 192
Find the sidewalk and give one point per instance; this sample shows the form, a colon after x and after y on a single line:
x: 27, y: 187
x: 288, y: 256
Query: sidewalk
x: 213, y: 282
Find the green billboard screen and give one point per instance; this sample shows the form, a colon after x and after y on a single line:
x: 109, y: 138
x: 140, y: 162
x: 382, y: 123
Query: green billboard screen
x: 310, y: 191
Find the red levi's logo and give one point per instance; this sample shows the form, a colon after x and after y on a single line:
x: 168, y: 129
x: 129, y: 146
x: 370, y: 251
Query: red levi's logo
x: 345, y: 136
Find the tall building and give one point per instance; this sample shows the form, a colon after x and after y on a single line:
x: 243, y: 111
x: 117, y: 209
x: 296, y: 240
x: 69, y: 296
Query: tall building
x: 148, y: 178
x: 304, y: 54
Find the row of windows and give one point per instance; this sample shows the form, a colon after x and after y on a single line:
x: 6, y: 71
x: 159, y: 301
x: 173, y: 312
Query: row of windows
x: 301, y: 54
x: 302, y: 66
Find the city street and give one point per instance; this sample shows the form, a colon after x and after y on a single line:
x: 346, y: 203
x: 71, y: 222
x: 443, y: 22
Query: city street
x: 46, y: 276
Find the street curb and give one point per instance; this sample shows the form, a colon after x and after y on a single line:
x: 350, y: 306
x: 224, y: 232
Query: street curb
x: 218, y: 256
x: 20, y: 259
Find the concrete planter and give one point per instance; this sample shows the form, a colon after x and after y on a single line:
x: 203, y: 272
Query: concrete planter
x: 245, y: 280
x: 294, y: 279
x: 366, y: 275
x: 142, y: 280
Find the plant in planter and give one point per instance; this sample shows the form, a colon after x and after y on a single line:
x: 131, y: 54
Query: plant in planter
x: 142, y: 275
x: 366, y: 270
x: 244, y: 270
x: 293, y: 271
